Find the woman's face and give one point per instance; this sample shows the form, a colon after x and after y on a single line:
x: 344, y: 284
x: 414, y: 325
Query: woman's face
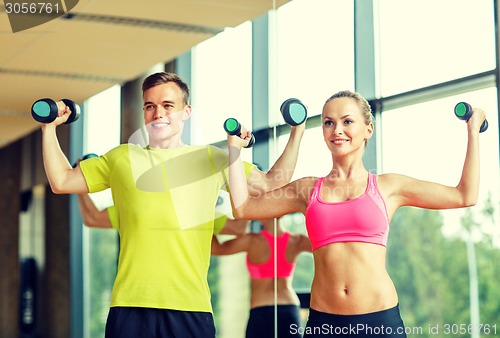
x: 344, y: 128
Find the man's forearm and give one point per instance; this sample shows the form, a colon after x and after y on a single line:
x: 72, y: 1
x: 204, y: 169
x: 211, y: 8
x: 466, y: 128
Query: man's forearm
x: 60, y: 173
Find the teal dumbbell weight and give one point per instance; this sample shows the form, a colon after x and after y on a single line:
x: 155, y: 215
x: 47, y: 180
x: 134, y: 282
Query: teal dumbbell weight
x: 463, y: 111
x: 233, y: 127
x: 294, y: 111
x: 46, y: 110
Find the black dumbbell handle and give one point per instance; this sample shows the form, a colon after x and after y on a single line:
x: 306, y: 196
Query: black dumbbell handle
x: 464, y: 111
x: 75, y: 111
x: 233, y: 127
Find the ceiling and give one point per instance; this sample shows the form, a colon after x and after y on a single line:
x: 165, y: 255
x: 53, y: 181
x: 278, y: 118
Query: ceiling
x: 100, y: 43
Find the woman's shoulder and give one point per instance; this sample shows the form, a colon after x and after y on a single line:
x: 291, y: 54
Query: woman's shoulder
x: 392, y: 183
x: 306, y: 182
x: 301, y: 188
x: 295, y: 237
x: 298, y: 242
x: 391, y: 178
x: 254, y: 239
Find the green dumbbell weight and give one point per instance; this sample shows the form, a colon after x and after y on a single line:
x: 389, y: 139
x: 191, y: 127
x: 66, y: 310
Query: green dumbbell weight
x: 46, y: 110
x: 463, y: 111
x: 233, y: 127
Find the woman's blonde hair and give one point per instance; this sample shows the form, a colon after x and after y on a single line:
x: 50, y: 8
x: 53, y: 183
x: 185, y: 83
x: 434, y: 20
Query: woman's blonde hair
x: 366, y: 110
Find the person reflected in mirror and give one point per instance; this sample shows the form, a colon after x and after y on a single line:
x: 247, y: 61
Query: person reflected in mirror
x: 270, y: 259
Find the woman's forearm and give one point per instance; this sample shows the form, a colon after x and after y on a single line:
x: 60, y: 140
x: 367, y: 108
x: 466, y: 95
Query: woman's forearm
x: 469, y: 181
x: 282, y: 171
x: 237, y: 182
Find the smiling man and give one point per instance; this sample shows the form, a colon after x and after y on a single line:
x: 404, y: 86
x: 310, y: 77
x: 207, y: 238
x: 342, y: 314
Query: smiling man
x: 164, y: 194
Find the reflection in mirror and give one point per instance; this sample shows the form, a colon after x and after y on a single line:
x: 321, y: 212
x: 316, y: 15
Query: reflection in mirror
x: 271, y: 255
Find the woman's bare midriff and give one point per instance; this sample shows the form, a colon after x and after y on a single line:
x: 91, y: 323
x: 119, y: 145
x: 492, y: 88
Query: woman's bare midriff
x: 351, y: 278
x: 263, y: 292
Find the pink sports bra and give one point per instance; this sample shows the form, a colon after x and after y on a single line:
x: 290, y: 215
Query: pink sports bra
x: 363, y: 219
x: 266, y: 270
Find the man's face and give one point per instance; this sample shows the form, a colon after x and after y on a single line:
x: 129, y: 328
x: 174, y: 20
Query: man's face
x: 164, y: 111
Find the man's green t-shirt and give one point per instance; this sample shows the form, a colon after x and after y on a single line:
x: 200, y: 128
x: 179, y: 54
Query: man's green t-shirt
x: 164, y: 201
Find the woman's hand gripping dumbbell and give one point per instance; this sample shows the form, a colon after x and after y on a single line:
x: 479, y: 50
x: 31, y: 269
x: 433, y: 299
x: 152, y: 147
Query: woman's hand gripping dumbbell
x: 294, y: 112
x: 233, y: 127
x: 464, y: 111
x: 47, y: 110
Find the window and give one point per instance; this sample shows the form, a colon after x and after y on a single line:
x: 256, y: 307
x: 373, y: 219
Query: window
x: 437, y: 259
x: 314, y: 51
x: 102, y: 117
x: 221, y: 83
x: 427, y: 42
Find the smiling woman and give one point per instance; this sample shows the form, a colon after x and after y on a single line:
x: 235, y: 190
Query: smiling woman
x: 332, y: 128
x: 351, y: 285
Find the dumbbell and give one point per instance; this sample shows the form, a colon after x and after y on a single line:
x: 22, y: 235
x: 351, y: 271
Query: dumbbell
x: 463, y: 111
x: 294, y: 111
x: 84, y: 157
x: 233, y: 127
x: 46, y: 110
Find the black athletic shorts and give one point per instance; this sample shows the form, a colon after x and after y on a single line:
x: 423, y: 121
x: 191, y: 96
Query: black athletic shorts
x: 261, y: 321
x: 135, y: 322
x: 380, y: 324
